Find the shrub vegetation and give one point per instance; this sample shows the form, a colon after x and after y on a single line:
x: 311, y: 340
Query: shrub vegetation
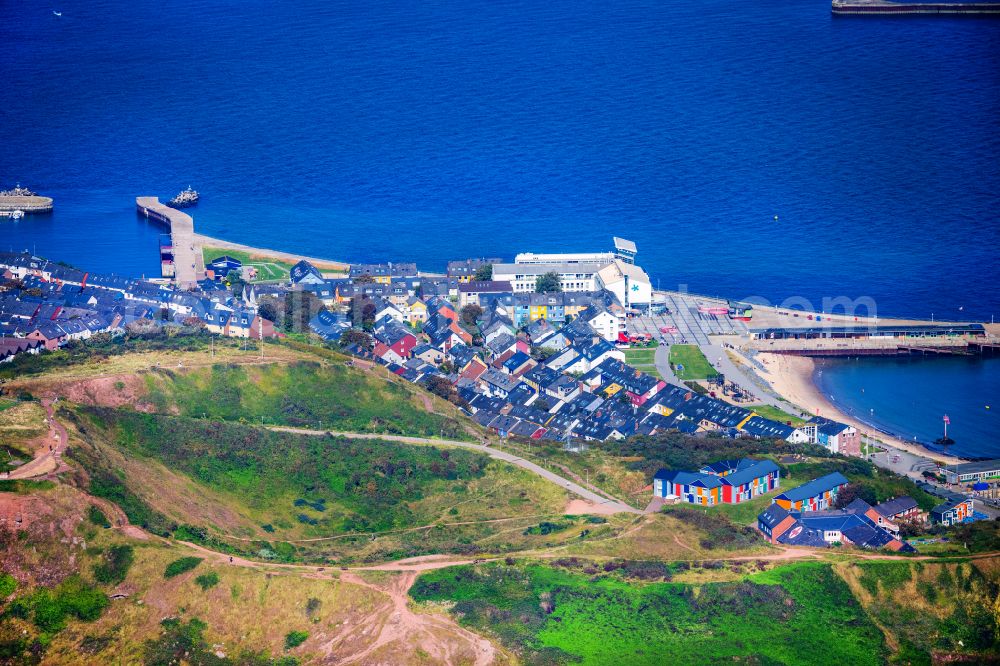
x: 370, y: 482
x: 184, y: 643
x: 50, y: 609
x: 552, y: 616
x: 304, y: 394
x: 114, y: 565
x: 181, y: 565
x: 293, y: 639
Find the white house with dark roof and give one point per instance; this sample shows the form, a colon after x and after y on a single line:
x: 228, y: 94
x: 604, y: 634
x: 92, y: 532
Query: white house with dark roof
x: 305, y: 273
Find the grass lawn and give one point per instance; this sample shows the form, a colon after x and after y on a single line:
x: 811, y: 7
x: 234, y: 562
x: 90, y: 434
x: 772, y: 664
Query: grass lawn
x: 642, y: 358
x: 775, y: 414
x: 690, y: 363
x: 268, y: 269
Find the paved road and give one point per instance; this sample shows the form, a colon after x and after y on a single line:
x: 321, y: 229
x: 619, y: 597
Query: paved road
x: 662, y: 361
x: 498, y: 454
x: 715, y: 353
x: 718, y: 357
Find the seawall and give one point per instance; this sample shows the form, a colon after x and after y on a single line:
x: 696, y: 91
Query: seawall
x: 886, y: 8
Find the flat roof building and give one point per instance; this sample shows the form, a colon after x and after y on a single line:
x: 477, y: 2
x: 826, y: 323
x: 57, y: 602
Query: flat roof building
x: 624, y: 250
x: 573, y: 275
x: 972, y: 471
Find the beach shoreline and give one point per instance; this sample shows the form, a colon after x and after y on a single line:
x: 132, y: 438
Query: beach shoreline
x: 791, y: 377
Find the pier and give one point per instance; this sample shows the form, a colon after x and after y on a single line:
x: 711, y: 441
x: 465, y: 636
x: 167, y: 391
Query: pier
x: 880, y: 348
x: 180, y: 259
x: 888, y: 8
x: 32, y: 204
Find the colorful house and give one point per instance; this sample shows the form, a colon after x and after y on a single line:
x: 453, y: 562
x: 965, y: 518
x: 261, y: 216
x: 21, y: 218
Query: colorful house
x: 954, y: 511
x: 305, y: 273
x: 745, y: 478
x: 724, y: 482
x: 416, y: 311
x: 817, y: 495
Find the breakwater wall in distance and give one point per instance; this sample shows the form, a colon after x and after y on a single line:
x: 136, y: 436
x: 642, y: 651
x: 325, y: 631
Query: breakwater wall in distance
x: 182, y: 259
x: 32, y: 204
x: 970, y: 349
x: 887, y: 8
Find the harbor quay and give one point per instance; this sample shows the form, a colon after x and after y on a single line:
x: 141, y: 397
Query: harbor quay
x: 22, y: 201
x: 889, y: 8
x: 181, y: 260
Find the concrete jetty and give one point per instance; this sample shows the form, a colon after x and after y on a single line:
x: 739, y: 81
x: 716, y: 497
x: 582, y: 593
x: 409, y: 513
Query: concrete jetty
x: 890, y: 8
x: 28, y: 204
x: 182, y: 260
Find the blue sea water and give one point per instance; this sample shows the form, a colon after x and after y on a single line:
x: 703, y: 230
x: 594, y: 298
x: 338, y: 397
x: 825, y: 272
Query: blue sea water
x: 910, y: 398
x: 444, y: 129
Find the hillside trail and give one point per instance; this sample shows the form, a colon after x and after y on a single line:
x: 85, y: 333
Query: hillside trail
x: 392, y: 621
x: 121, y: 522
x: 49, y: 463
x: 398, y: 623
x: 498, y: 454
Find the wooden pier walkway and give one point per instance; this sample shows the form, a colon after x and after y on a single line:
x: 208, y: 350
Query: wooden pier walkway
x: 188, y: 262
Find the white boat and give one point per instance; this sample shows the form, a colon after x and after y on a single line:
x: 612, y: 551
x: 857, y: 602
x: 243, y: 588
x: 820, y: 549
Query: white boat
x: 56, y: 13
x: 13, y: 214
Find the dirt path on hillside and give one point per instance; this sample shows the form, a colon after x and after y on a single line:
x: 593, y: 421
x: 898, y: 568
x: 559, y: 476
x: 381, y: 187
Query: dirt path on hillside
x: 118, y: 518
x: 496, y: 453
x: 432, y: 633
x: 683, y: 545
x: 49, y: 463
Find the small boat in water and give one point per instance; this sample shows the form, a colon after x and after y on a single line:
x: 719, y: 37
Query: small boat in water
x: 56, y: 13
x: 12, y: 214
x: 185, y: 198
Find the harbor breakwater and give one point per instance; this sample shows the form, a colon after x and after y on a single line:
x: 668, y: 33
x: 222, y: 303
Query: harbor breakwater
x: 885, y: 8
x: 27, y: 204
x: 182, y: 259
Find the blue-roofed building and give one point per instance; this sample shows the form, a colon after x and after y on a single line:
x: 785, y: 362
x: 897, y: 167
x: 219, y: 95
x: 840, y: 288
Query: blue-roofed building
x: 852, y: 525
x: 221, y: 266
x: 724, y: 482
x: 816, y: 495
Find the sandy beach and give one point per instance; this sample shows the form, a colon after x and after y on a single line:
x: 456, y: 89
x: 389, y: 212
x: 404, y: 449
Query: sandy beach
x: 323, y: 264
x: 791, y: 378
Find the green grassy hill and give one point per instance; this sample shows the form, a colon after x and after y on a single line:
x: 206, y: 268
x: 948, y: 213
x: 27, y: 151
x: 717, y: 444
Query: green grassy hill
x: 554, y: 615
x: 573, y: 611
x: 73, y: 592
x: 304, y: 394
x: 282, y: 496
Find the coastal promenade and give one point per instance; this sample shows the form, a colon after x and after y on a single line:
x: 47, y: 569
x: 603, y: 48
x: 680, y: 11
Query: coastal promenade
x: 188, y: 262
